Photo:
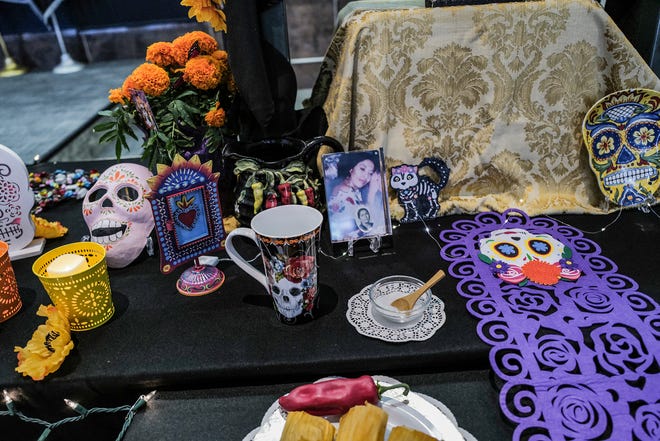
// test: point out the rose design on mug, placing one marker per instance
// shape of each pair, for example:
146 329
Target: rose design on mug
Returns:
299 268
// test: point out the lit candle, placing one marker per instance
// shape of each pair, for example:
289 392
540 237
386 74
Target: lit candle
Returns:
67 265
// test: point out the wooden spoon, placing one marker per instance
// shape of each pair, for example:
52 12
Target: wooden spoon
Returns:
407 302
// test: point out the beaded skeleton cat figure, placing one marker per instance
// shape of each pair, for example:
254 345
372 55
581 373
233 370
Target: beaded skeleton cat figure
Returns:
418 195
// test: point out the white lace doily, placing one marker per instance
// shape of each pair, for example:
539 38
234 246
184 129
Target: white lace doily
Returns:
360 316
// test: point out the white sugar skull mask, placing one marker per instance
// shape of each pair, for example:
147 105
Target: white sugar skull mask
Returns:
16 200
118 214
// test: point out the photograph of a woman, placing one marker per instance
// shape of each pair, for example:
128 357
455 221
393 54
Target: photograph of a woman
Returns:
355 196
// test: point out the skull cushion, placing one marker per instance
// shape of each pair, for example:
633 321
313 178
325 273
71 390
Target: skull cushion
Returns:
16 200
118 214
622 134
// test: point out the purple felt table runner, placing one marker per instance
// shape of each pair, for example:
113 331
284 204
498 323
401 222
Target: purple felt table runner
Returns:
575 343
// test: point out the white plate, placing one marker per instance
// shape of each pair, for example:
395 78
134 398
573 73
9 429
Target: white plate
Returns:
411 410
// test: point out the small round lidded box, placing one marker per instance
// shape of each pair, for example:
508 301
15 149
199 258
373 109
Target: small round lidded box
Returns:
388 289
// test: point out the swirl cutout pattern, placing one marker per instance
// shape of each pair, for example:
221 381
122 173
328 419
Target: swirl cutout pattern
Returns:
579 359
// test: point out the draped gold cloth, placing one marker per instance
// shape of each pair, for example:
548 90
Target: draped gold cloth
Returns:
498 91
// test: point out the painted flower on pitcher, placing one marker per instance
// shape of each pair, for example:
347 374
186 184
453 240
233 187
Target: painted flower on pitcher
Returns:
48 347
299 268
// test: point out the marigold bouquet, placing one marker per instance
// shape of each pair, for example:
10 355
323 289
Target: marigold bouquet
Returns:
179 98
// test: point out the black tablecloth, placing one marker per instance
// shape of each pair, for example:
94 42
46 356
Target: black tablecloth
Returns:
159 339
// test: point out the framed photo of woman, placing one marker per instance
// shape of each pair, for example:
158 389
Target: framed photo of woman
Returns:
355 195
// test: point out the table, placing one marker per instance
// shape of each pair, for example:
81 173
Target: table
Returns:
222 359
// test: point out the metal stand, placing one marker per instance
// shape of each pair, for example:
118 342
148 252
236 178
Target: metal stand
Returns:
11 69
67 64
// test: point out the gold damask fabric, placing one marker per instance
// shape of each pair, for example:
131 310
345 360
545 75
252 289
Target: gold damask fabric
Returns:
498 91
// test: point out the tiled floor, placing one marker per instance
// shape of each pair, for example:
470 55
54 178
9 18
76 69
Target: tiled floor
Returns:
41 110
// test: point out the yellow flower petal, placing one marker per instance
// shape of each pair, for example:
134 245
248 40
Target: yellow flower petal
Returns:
48 347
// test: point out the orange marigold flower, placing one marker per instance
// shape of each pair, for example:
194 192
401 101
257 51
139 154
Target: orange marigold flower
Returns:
129 83
117 96
207 44
540 272
163 54
231 84
220 55
202 72
209 11
48 347
215 117
151 79
222 59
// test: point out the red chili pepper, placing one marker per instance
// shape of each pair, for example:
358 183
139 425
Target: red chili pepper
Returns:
285 193
309 191
335 397
271 200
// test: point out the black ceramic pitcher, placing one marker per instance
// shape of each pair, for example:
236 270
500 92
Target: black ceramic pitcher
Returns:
271 172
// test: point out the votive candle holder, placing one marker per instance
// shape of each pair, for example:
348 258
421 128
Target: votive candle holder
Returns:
85 297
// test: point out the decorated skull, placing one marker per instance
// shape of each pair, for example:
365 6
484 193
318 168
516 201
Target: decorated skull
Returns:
118 214
516 255
622 134
16 200
288 297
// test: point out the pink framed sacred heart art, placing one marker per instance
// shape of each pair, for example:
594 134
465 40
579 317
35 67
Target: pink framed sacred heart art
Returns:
186 206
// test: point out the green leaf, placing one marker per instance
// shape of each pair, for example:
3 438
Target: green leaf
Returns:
104 126
567 253
108 137
485 258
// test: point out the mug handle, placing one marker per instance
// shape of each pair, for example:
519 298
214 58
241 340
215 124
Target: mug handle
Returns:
239 260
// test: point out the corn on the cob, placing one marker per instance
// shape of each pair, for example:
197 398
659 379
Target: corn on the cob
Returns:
363 423
301 426
402 433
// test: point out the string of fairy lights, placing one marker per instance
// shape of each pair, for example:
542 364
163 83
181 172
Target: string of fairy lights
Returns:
82 412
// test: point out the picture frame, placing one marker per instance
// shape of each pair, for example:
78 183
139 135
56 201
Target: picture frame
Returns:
356 195
186 205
